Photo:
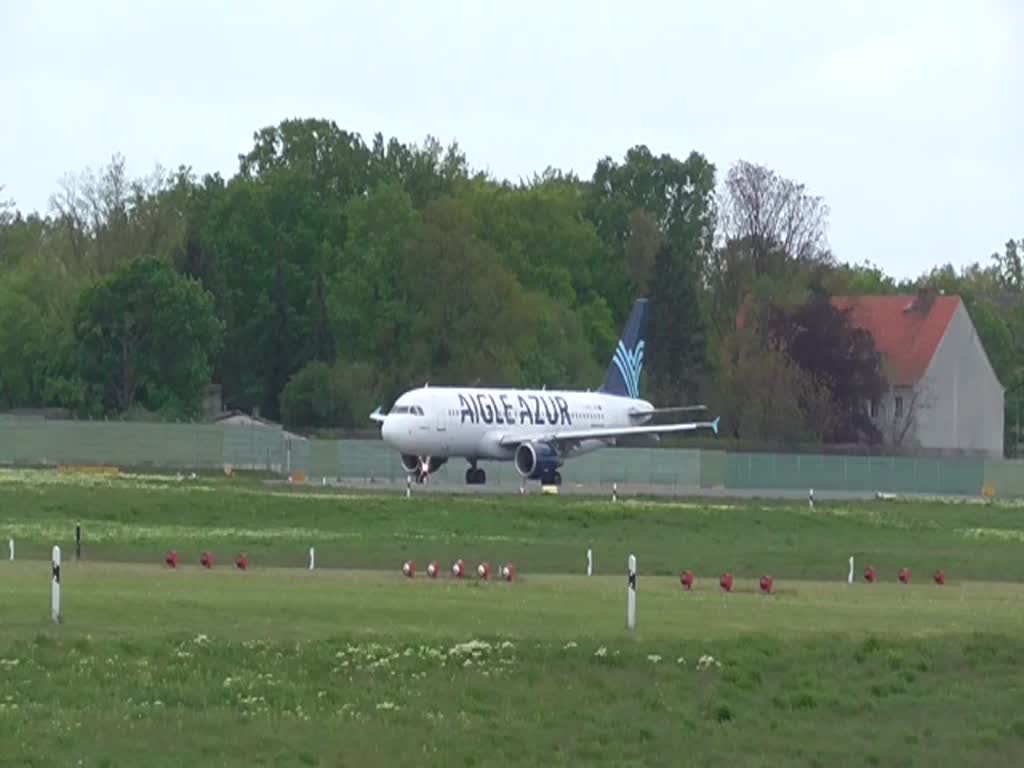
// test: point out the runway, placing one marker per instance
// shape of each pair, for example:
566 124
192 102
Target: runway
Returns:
440 486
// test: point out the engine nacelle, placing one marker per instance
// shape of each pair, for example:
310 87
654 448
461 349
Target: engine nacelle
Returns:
410 463
534 460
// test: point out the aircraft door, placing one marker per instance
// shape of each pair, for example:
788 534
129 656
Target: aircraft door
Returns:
441 420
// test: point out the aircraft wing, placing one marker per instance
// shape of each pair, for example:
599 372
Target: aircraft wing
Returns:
671 409
601 433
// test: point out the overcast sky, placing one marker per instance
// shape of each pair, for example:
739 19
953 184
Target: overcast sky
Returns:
905 116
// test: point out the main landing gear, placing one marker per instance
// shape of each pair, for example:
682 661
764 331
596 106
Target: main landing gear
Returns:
551 478
475 476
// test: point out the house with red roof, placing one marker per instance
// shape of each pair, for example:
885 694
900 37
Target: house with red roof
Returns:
944 394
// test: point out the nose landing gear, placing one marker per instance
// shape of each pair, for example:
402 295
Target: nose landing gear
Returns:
474 475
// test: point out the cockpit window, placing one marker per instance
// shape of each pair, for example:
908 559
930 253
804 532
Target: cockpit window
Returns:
412 410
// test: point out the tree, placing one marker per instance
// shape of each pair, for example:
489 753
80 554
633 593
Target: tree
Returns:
865 279
7 210
370 309
823 341
775 216
676 195
677 328
425 173
899 425
1011 265
471 320
329 396
106 219
146 336
641 250
771 241
768 397
23 344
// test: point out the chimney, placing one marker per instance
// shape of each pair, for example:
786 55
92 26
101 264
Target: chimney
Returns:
925 298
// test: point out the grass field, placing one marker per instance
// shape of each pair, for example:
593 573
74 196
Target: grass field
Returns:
353 664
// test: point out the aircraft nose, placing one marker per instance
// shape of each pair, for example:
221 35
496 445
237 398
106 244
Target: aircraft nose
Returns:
388 429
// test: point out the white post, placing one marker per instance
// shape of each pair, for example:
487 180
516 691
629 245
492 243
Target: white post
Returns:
408 486
55 597
631 594
810 498
590 562
312 558
10 546
849 579
615 491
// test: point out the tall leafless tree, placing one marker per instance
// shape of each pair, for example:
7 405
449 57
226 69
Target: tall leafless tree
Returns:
769 228
773 215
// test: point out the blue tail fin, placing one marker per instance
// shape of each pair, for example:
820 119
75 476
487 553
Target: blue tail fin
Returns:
623 377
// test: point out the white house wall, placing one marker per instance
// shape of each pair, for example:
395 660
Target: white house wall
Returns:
961 406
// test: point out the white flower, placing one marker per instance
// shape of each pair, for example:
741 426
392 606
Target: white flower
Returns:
601 652
653 658
707 661
569 645
473 646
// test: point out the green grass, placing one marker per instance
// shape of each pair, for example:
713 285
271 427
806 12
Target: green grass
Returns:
354 665
138 520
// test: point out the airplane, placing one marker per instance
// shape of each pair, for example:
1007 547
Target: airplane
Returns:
537 429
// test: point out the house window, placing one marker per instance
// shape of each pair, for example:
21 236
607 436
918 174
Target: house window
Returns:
899 407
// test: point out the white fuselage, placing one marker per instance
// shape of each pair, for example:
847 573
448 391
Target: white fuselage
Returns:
470 422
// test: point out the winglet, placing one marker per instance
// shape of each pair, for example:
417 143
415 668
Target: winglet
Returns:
714 424
377 415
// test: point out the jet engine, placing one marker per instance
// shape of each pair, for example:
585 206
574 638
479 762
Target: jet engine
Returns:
535 460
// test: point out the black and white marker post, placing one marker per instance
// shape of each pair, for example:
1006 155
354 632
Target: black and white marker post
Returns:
312 558
631 595
10 546
55 592
78 541
590 562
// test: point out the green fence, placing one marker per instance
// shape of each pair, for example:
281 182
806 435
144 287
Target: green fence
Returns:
855 473
35 442
1005 477
155 446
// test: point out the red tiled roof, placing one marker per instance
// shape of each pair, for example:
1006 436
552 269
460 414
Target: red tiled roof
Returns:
906 329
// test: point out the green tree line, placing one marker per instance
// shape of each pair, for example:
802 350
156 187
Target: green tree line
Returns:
328 274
